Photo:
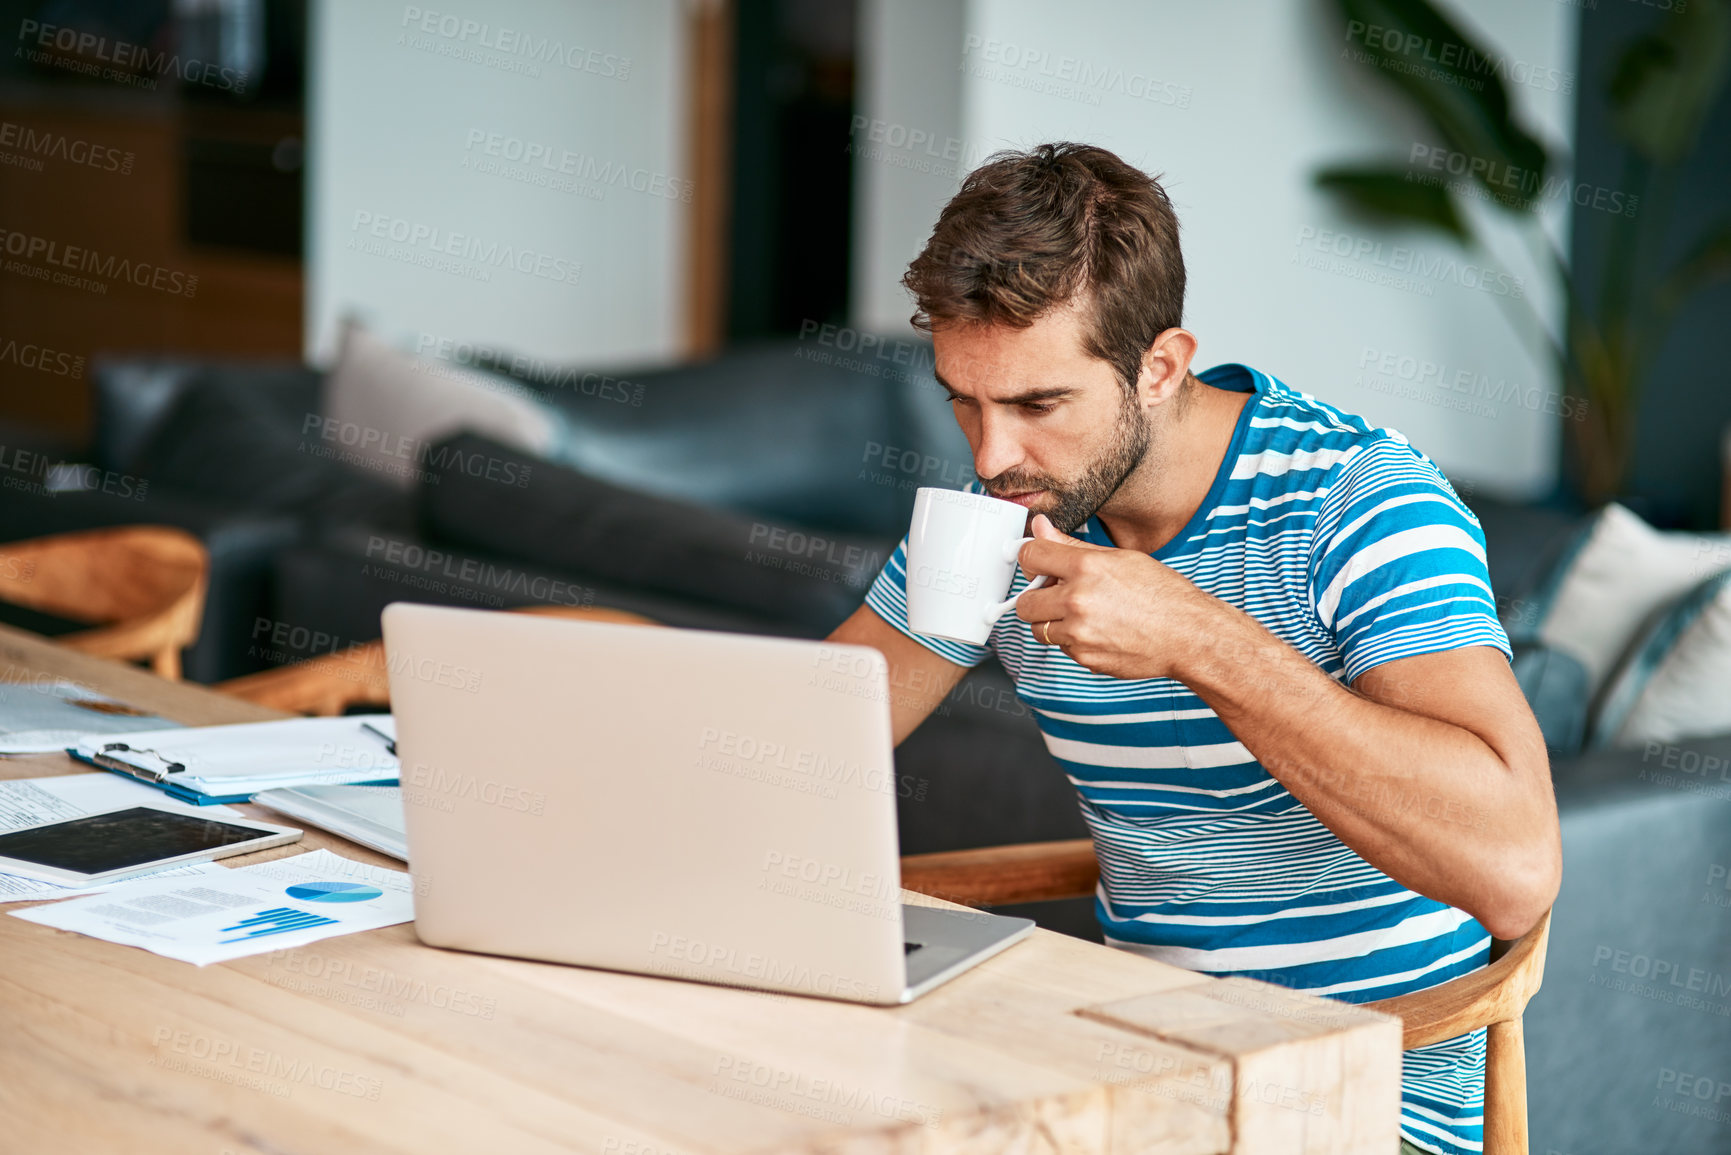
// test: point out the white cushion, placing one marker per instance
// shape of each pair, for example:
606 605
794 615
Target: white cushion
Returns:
1680 686
385 408
1623 574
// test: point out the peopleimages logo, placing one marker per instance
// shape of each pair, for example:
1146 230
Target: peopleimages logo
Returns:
227 1061
93 51
915 149
515 43
429 242
465 578
558 161
36 145
488 791
27 355
1454 57
145 275
1509 183
1066 77
490 361
918 469
324 974
40 476
367 441
799 1093
1426 376
1401 263
719 962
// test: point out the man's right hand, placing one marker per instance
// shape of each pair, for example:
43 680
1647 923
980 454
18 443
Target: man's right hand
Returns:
919 678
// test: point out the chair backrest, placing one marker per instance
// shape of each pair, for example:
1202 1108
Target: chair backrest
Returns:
329 684
1006 875
141 587
1497 994
1494 998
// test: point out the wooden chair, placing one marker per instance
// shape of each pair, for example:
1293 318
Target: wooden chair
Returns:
1494 997
141 587
331 683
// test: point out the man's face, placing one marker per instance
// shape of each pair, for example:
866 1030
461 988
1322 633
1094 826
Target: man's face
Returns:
1051 427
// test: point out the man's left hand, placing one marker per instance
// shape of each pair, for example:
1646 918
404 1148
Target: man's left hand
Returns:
1113 611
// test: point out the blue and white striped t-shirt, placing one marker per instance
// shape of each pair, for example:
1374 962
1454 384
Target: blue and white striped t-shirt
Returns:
1349 545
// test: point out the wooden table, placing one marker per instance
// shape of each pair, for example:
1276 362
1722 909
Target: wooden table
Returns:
373 1042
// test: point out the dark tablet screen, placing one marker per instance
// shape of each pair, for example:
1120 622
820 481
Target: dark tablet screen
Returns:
120 839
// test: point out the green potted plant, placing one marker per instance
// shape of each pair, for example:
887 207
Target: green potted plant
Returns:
1660 91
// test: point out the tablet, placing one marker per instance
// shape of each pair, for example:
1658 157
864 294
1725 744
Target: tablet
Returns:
121 843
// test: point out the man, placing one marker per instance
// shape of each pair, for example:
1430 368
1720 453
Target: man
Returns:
1269 660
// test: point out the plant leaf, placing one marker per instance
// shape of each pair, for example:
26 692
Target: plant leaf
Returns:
1709 262
1392 193
1665 81
1457 84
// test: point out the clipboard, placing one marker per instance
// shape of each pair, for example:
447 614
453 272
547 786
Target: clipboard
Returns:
209 765
154 779
170 788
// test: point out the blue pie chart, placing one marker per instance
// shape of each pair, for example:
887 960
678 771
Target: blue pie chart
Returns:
333 891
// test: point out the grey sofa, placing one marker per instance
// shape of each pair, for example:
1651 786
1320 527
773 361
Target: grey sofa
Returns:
1634 1020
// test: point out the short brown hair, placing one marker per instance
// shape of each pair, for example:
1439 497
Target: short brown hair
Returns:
1031 231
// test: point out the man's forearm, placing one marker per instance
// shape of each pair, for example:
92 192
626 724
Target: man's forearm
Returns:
1427 802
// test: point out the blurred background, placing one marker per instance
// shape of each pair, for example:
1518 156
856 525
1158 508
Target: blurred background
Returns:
596 304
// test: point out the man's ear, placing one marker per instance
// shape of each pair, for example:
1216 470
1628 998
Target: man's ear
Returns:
1165 366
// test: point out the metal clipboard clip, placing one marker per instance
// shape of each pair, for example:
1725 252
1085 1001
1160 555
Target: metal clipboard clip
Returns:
144 773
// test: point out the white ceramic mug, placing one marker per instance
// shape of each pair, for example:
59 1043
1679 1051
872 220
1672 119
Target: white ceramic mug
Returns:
962 551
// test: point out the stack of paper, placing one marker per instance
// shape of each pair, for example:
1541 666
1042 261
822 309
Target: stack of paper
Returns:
44 716
369 815
232 763
247 910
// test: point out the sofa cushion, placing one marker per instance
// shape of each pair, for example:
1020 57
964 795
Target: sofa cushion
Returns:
239 447
1617 576
1676 683
337 586
493 498
385 408
1522 544
129 399
132 397
786 429
1555 686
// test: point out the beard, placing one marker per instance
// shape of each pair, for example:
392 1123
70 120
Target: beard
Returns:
1079 500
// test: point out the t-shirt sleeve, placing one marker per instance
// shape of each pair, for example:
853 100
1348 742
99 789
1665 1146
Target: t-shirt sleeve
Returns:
888 598
1397 567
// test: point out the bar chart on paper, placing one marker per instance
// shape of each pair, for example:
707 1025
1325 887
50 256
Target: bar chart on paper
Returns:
229 913
282 920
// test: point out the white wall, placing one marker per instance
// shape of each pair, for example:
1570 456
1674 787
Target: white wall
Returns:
1237 105
581 263
906 140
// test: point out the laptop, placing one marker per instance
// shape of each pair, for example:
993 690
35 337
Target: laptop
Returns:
684 803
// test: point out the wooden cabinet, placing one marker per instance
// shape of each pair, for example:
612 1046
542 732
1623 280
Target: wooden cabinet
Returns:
95 256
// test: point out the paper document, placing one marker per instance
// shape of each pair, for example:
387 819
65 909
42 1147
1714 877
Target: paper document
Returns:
17 888
40 717
248 757
247 910
38 801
